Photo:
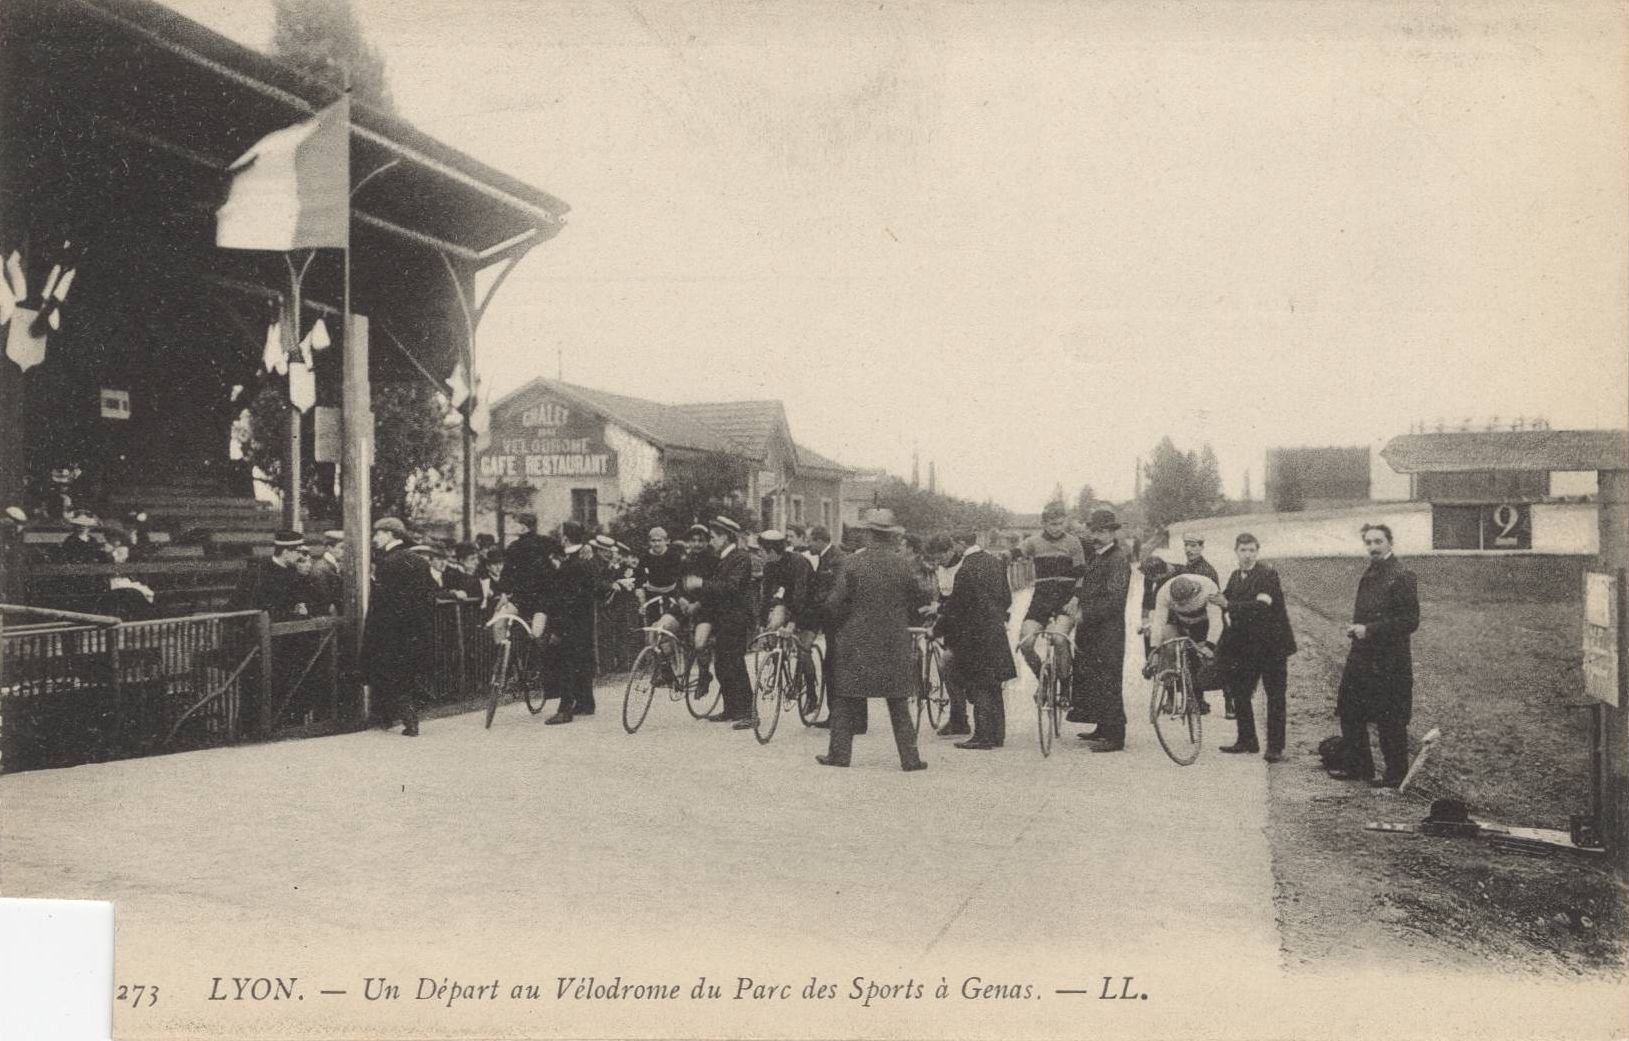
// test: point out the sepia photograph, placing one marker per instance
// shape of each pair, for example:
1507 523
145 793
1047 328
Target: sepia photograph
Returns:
474 471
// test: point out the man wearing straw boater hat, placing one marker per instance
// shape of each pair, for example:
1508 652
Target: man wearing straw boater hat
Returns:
273 584
726 601
79 547
872 605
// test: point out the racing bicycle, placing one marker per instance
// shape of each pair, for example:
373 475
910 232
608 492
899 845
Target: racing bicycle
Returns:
1051 684
517 666
1174 705
667 662
928 665
782 670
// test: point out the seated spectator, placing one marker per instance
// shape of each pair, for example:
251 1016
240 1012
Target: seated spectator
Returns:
82 546
127 599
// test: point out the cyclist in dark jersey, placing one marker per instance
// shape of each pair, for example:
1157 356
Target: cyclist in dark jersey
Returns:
660 569
700 562
1059 558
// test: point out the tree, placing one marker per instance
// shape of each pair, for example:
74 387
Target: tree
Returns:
1084 500
1181 485
690 494
322 38
922 511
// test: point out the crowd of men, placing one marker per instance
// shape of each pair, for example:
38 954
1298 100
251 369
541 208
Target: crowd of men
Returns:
863 604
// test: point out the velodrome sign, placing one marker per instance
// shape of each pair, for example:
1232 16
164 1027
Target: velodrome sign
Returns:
547 438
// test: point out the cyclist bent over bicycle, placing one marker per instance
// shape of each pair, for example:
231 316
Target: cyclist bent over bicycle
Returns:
1183 608
1059 558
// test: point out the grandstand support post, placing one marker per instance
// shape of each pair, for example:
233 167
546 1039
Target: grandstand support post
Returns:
355 492
1612 510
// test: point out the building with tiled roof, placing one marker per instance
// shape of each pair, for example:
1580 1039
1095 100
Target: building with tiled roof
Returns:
587 452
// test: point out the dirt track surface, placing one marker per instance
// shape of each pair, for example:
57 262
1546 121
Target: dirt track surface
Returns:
529 854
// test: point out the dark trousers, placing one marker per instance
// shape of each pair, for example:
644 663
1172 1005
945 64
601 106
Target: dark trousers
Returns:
958 704
860 712
397 693
844 713
730 641
576 678
1393 745
989 713
1241 689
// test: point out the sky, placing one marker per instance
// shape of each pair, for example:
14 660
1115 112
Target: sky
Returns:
1029 239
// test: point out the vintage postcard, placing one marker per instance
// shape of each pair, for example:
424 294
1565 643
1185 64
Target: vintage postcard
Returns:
818 520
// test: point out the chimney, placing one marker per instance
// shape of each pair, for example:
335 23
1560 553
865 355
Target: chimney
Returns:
933 480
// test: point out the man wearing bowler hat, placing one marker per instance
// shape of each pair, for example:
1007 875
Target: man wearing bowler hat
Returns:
726 600
578 591
872 607
973 623
1100 635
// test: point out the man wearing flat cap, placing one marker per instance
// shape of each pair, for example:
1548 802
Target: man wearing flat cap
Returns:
726 601
1100 635
396 641
273 584
1194 562
327 582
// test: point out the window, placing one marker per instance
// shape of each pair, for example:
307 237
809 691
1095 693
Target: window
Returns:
825 513
585 506
797 509
766 511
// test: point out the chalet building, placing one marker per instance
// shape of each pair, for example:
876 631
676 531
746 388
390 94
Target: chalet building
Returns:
566 451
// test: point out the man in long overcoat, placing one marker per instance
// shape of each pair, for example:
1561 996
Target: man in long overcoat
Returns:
973 623
872 607
396 639
726 602
1377 685
578 587
1100 636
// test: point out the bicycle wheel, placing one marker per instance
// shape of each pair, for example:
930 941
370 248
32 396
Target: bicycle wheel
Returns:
1176 716
642 683
530 679
919 703
502 668
812 695
938 694
701 703
1045 697
771 675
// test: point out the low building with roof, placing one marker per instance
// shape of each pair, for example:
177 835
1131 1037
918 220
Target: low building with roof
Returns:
583 453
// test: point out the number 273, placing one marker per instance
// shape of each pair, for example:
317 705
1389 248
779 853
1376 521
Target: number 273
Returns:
134 993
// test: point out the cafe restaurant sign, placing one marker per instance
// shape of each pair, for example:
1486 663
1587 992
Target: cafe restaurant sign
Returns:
547 438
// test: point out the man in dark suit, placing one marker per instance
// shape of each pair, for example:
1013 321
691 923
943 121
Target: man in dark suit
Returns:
579 589
528 568
726 601
973 623
1377 685
396 639
1100 636
272 584
1255 645
828 558
872 607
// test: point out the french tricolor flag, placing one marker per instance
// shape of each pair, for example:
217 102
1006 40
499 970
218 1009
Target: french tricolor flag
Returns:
291 190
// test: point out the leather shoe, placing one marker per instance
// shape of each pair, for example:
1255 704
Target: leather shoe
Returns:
826 760
918 765
412 731
743 724
1107 746
1346 775
583 711
1235 748
720 718
975 744
558 718
1385 782
952 731
1274 757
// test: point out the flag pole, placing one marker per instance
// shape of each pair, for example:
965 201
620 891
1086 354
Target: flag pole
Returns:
357 418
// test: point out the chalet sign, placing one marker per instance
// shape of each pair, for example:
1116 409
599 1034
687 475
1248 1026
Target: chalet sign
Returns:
547 438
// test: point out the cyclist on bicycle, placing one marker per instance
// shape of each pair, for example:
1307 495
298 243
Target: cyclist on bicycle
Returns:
657 577
1182 607
700 561
787 577
1059 558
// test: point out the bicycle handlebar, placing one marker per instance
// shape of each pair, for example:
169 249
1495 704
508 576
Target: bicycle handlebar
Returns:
1051 637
